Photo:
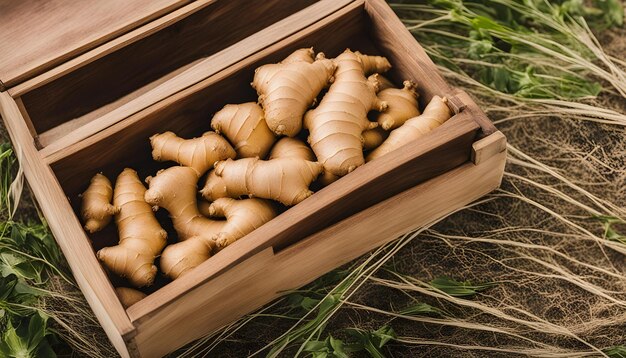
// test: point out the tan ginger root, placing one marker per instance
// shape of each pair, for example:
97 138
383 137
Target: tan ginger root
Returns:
129 296
337 124
372 138
402 105
97 210
245 127
198 153
435 114
291 148
285 180
242 217
287 89
174 189
141 236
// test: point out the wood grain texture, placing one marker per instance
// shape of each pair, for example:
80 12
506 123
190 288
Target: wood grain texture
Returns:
109 47
66 229
38 34
206 67
265 276
487 147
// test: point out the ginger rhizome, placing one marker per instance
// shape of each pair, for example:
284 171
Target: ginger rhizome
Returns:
198 153
435 114
337 124
141 237
283 179
242 217
291 148
401 105
287 89
174 189
96 209
129 296
245 127
372 138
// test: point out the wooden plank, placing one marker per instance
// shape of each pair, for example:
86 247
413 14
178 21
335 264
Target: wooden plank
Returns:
36 35
463 101
60 131
202 70
66 229
108 47
263 277
488 147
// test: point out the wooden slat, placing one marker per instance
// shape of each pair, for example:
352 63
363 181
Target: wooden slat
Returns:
108 47
263 277
66 229
38 34
202 70
488 147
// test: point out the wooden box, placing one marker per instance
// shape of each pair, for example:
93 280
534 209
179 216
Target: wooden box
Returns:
88 97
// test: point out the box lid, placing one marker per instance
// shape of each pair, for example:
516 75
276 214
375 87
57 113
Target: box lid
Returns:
36 35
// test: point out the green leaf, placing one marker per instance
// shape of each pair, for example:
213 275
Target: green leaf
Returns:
615 352
373 341
421 309
458 289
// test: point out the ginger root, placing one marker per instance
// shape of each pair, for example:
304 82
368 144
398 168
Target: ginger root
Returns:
97 210
402 105
174 189
198 153
291 148
141 236
372 138
435 114
287 89
284 179
129 296
337 124
245 127
242 217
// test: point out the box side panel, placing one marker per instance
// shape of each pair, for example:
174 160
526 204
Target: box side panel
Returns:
244 288
35 34
67 230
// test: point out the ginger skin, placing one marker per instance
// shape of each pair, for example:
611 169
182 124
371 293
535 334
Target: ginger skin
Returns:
337 124
198 153
435 114
285 180
129 296
97 210
141 236
372 138
245 127
242 217
291 148
174 189
287 89
402 105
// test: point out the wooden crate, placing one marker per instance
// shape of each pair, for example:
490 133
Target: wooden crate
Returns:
82 109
